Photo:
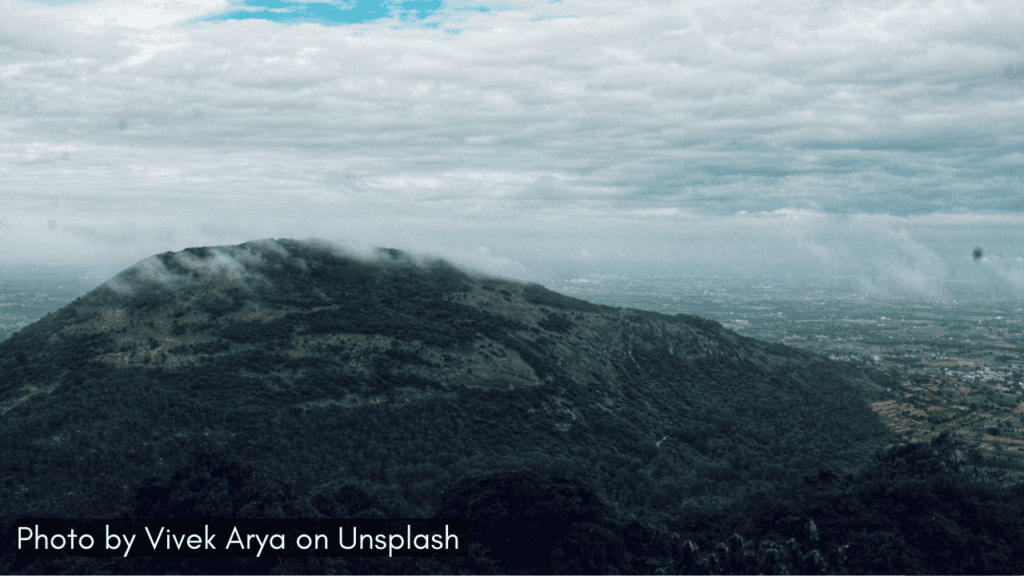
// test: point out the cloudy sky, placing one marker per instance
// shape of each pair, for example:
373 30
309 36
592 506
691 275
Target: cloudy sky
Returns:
876 141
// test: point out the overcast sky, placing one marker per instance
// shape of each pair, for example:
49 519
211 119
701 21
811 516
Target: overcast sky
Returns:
877 141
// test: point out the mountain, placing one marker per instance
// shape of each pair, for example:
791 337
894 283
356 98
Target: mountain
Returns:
283 379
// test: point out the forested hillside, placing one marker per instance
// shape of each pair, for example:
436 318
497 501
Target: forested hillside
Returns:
284 379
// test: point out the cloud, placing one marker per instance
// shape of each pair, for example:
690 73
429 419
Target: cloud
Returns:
482 260
539 138
222 266
1008 269
244 266
879 254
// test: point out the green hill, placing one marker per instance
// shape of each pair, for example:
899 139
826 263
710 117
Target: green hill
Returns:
285 379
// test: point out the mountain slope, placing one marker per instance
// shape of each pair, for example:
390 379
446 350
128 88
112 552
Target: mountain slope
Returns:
324 373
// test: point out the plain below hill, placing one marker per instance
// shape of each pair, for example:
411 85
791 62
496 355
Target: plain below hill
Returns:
280 378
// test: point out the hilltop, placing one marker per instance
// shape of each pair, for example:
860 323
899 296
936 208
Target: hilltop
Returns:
281 378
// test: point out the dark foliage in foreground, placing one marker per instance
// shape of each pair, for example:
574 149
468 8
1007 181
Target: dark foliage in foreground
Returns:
912 510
